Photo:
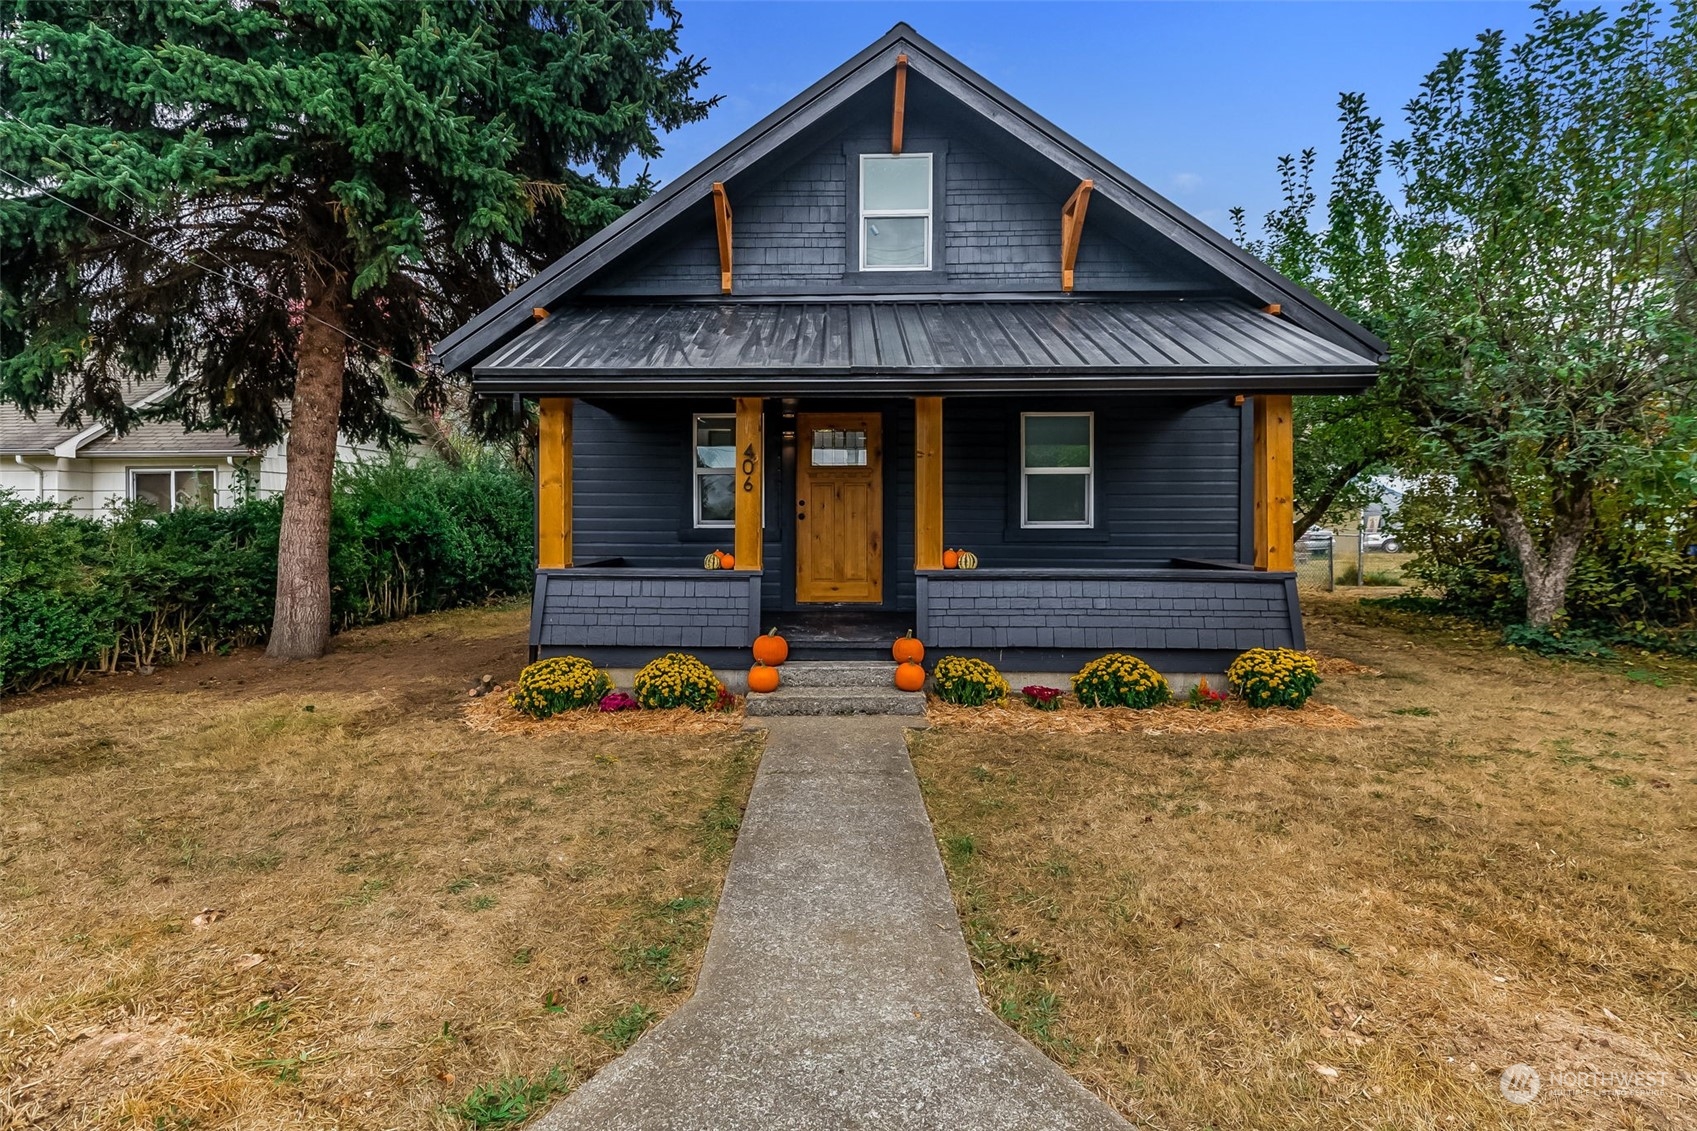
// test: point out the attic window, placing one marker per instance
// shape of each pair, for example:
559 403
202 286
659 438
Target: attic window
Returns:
895 212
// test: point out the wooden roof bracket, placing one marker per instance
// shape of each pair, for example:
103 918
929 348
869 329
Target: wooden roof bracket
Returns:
900 116
722 220
1273 308
1072 229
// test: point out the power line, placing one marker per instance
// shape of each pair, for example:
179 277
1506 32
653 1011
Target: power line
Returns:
228 278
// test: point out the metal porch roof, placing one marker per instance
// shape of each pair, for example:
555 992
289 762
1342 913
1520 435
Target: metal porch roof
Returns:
924 346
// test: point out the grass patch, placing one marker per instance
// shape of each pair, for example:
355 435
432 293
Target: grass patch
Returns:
1195 925
338 917
661 938
503 1103
621 1030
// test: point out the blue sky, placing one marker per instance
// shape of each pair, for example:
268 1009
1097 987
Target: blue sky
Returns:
1196 99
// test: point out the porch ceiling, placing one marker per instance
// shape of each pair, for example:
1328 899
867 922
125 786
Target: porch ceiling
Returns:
929 346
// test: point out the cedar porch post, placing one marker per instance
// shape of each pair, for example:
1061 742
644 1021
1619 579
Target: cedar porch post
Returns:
750 480
1275 517
927 482
554 484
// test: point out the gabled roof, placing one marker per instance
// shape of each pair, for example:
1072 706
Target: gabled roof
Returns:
45 436
472 342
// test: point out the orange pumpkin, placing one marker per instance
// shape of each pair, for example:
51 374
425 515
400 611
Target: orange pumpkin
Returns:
907 649
950 558
727 561
762 678
909 676
771 649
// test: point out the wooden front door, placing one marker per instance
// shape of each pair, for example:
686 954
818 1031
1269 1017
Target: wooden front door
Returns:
839 507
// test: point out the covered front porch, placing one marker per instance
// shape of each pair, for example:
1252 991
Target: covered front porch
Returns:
1120 471
907 481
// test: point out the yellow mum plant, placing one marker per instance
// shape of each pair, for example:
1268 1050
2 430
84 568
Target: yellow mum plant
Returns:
1120 679
563 683
677 679
1274 677
967 682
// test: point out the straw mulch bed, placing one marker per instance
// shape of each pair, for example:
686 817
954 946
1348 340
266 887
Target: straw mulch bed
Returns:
492 715
1016 716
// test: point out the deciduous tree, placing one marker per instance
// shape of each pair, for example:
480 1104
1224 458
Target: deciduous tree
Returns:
1534 280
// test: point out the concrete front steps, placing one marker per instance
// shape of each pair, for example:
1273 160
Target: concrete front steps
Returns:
845 687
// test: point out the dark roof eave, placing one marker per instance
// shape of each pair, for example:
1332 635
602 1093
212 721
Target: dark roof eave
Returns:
918 381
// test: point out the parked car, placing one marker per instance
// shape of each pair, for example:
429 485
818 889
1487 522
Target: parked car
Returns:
1316 537
1381 542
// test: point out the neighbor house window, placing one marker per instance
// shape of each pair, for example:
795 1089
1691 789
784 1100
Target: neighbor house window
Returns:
715 462
1057 469
168 490
895 212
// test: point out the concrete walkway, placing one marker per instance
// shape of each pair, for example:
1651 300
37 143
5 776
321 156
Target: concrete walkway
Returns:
836 991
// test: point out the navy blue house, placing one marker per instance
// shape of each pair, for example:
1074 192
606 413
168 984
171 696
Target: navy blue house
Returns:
900 318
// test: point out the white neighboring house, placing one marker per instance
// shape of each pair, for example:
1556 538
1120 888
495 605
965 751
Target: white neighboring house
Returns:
158 462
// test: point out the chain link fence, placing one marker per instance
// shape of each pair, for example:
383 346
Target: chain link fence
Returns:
1316 560
1325 560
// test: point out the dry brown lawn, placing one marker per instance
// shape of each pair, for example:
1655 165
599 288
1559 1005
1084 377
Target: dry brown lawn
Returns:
1353 927
234 895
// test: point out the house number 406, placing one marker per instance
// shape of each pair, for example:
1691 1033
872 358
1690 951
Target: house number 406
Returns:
749 463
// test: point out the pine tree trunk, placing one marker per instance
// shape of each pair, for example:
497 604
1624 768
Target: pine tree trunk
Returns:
300 624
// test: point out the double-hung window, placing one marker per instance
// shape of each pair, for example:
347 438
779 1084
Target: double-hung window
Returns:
715 462
1057 469
169 490
895 212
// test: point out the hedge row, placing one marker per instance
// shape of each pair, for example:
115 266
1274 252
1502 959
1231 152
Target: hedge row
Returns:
78 594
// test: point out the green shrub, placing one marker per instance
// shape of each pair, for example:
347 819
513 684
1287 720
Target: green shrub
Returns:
563 683
1274 677
678 679
966 682
1120 680
1568 642
149 588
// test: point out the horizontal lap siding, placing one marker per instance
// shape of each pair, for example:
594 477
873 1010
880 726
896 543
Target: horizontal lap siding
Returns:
1224 614
631 485
1167 487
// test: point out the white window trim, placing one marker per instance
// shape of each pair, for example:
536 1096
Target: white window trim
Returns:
877 213
695 479
1088 472
173 472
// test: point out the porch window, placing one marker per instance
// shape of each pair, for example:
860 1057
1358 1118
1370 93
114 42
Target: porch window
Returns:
174 488
895 212
715 463
1057 473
